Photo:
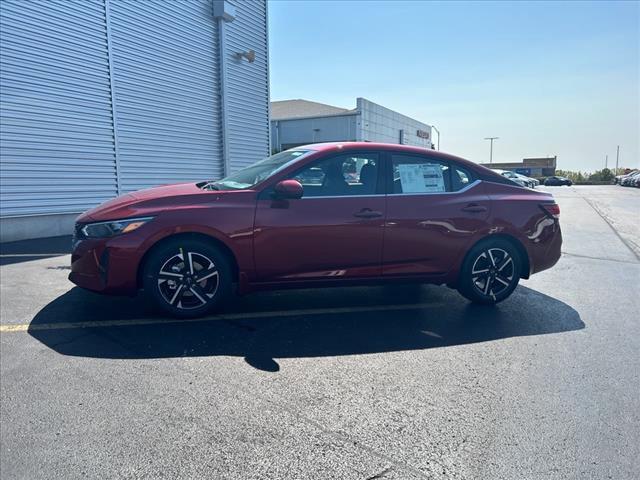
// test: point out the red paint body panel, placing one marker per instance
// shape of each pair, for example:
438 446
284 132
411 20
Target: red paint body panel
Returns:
517 213
224 216
424 232
315 240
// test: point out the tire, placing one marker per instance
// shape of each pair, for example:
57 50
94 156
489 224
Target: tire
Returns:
187 278
490 272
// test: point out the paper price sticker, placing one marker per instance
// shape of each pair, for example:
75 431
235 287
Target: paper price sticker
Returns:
421 177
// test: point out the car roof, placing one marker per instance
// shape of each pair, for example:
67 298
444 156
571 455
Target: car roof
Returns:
480 170
346 146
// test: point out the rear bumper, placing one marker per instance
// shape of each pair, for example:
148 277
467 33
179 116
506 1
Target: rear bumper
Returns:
545 251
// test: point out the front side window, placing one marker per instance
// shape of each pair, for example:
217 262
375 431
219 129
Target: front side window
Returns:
343 175
259 171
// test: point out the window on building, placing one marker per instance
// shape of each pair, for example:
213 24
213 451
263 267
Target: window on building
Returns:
343 175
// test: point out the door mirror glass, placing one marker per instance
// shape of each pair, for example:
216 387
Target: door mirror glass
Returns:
289 189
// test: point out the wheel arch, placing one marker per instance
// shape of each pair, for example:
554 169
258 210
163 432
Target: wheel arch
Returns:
525 263
191 236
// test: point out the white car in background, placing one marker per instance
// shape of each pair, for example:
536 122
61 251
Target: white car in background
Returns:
532 182
511 176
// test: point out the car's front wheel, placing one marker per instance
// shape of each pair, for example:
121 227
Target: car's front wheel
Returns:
187 278
490 272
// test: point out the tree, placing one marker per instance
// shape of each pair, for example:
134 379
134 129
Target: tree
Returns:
604 175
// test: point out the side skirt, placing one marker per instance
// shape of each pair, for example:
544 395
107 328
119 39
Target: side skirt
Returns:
350 282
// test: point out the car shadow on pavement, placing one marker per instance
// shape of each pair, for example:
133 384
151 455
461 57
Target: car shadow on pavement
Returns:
367 321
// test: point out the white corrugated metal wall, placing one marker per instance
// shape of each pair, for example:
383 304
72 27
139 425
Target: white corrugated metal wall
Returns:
165 70
56 131
101 94
247 84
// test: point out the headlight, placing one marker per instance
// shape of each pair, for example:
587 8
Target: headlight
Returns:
113 227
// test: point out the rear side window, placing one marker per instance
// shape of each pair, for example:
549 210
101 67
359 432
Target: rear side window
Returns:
414 174
417 174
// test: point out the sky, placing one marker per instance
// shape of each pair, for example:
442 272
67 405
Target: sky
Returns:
548 78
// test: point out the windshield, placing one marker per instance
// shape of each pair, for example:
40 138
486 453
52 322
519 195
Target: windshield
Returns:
259 171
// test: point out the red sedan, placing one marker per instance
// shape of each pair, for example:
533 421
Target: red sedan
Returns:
320 215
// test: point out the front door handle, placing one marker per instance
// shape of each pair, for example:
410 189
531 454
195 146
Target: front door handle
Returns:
367 213
474 208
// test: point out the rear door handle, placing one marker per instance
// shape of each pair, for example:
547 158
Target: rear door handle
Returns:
367 213
474 208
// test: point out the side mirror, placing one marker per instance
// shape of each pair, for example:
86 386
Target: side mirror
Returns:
289 189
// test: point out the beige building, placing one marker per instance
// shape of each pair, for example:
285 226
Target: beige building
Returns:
299 122
531 167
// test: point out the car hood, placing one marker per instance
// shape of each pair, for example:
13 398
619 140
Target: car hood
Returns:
150 201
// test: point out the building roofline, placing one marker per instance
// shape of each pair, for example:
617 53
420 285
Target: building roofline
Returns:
348 113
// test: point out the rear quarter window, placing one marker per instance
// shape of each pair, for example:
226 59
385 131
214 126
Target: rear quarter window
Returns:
460 177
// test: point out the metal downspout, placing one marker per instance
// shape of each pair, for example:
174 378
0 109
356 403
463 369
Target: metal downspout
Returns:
223 98
114 113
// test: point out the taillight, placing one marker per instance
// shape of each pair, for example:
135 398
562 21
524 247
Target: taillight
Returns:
551 209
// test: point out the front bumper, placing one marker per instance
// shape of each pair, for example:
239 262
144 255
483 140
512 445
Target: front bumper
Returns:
104 266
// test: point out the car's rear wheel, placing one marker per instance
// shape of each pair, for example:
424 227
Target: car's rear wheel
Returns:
490 271
187 278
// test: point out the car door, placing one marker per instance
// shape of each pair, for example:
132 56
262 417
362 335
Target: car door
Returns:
434 209
334 231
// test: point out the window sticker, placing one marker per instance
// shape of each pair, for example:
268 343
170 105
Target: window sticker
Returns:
421 177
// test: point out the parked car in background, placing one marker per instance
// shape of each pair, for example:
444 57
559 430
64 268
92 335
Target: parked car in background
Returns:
296 220
511 176
617 180
529 182
625 178
535 181
556 181
631 180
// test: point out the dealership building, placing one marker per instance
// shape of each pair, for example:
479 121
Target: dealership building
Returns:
103 97
299 122
531 167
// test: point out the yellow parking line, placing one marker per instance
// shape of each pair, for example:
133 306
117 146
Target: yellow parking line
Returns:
23 327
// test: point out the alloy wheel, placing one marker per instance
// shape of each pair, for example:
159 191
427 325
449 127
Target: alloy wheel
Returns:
188 280
493 272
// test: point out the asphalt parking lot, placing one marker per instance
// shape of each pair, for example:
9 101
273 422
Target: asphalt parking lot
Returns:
397 382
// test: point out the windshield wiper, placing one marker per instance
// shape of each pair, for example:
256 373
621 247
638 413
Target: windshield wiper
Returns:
209 186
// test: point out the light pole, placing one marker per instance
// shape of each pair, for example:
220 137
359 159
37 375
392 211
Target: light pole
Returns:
617 158
438 131
491 148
